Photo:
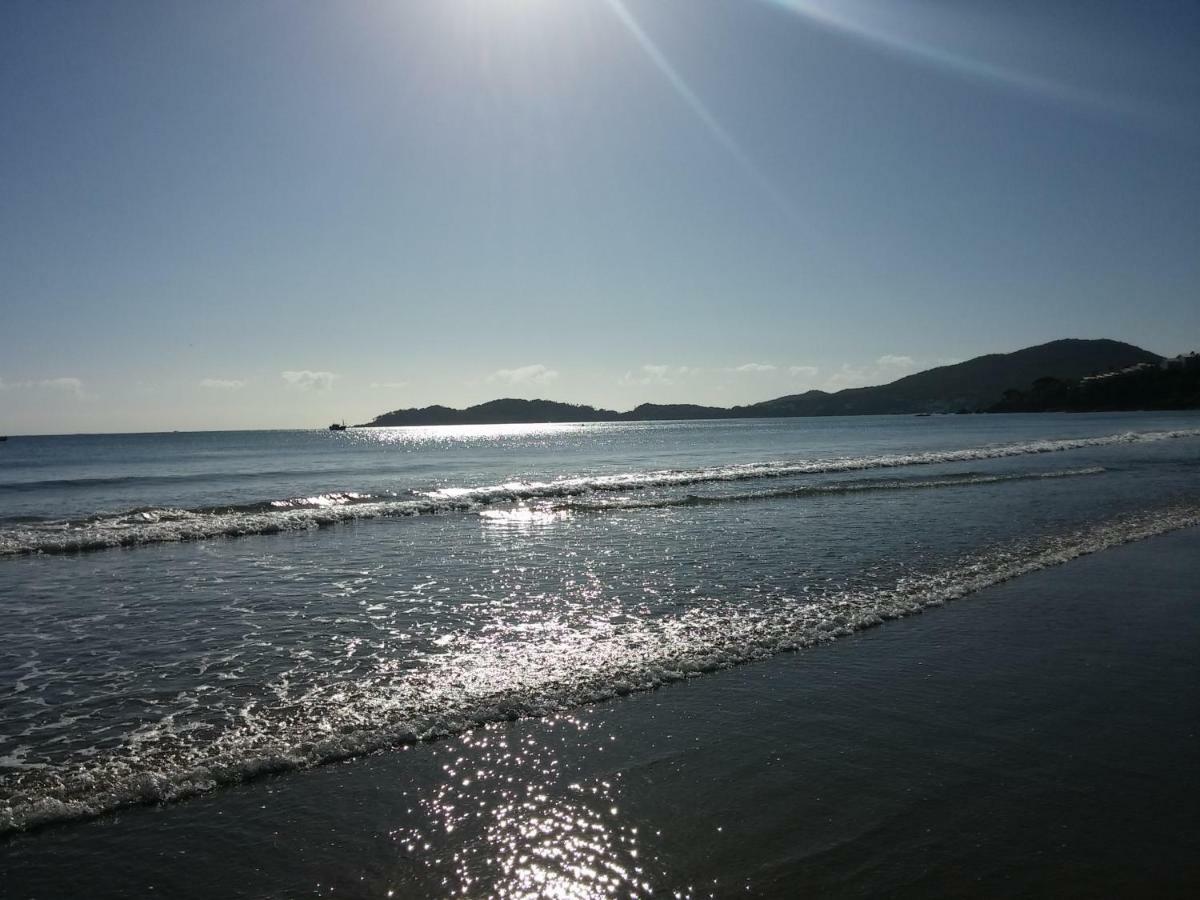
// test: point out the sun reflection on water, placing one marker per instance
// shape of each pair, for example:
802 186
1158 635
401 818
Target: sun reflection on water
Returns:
523 518
510 819
473 434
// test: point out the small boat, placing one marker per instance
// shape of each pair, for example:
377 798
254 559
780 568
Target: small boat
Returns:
336 427
3 437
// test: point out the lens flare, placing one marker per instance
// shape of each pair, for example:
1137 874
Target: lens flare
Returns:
692 100
866 22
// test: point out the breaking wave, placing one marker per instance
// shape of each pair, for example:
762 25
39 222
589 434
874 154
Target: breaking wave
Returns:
164 525
486 677
157 526
817 490
570 487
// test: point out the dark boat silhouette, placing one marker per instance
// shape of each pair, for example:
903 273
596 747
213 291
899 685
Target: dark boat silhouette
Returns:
336 427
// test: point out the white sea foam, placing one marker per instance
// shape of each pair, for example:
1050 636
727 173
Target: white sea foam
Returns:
485 676
628 481
157 526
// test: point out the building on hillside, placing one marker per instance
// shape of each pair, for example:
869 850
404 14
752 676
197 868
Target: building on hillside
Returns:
1136 367
1182 361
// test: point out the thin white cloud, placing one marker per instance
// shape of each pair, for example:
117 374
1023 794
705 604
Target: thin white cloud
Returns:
533 374
64 385
388 385
754 368
887 368
222 384
849 376
653 373
802 371
307 380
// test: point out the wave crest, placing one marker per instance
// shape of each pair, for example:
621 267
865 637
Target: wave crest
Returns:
166 525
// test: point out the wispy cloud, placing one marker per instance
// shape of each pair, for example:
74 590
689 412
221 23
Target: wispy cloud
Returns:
534 374
887 368
68 385
850 376
754 368
803 371
388 385
653 373
307 380
63 385
222 384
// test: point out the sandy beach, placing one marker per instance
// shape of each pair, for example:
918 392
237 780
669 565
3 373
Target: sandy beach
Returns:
1036 739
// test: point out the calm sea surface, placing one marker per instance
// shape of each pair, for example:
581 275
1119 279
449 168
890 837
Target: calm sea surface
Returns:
184 611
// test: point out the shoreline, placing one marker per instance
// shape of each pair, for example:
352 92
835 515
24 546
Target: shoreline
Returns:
911 597
904 758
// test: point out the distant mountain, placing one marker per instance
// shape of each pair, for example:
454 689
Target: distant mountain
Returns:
975 385
972 385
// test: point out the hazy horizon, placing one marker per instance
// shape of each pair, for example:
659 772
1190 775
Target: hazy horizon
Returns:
274 215
883 367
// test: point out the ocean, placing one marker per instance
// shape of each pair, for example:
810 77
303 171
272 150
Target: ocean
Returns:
191 616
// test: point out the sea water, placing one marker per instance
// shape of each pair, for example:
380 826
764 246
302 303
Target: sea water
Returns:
183 612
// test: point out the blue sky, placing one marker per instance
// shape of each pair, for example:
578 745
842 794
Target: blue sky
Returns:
275 214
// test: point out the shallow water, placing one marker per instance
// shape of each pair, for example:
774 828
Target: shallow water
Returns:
187 610
1038 739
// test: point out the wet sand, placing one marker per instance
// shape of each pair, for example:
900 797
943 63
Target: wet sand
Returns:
1040 738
